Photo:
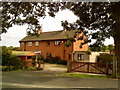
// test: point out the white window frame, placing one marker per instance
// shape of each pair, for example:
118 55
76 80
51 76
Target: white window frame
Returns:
29 43
57 42
36 43
80 56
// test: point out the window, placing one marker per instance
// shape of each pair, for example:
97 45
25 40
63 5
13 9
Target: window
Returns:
48 55
29 43
29 57
22 43
48 43
36 43
80 57
57 42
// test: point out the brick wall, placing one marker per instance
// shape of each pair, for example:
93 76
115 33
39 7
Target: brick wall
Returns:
63 52
56 50
76 45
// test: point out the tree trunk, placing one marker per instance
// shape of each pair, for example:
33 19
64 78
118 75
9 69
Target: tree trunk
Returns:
117 50
116 16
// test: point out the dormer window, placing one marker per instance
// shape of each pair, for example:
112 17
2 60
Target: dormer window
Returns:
29 43
57 42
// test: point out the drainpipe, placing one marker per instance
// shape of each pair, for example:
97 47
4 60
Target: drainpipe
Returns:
73 56
64 50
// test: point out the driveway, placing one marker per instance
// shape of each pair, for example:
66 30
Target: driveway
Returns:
48 79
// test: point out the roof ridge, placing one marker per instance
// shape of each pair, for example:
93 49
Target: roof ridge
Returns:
60 34
52 31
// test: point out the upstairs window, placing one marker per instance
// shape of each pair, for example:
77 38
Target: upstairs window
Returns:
22 43
29 43
57 42
36 43
48 43
80 57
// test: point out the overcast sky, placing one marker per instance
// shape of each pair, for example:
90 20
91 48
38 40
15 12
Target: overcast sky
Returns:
16 33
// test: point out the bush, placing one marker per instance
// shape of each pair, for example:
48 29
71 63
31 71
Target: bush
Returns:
7 68
105 58
12 62
30 69
11 68
55 60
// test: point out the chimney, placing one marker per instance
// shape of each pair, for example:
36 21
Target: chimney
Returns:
39 31
64 28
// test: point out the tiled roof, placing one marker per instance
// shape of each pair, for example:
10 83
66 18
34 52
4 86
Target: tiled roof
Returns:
54 35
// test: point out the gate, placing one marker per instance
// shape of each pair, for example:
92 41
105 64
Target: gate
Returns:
89 67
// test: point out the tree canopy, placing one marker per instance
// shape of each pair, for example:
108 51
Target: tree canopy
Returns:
26 13
96 20
104 48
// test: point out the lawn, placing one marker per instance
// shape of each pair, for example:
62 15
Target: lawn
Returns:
84 75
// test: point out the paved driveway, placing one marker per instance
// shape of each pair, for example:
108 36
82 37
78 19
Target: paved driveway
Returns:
47 79
55 67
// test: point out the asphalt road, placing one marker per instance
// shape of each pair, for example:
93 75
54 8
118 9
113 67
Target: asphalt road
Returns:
50 79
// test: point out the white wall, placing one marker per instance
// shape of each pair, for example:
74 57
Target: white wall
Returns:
93 56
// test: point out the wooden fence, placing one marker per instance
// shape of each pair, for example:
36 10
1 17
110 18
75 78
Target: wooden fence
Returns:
89 67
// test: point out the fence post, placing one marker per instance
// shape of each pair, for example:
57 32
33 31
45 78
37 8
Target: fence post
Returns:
69 66
118 67
107 72
114 66
88 66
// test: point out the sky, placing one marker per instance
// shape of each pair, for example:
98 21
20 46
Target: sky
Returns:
16 33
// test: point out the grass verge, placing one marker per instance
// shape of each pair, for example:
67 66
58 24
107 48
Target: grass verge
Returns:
84 75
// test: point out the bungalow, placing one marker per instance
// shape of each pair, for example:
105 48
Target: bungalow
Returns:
53 44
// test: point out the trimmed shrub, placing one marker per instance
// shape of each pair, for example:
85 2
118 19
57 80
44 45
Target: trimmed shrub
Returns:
55 60
7 68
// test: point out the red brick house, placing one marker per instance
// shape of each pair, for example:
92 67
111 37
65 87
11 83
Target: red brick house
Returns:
53 44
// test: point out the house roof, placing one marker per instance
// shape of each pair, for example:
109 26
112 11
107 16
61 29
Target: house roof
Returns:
54 35
23 53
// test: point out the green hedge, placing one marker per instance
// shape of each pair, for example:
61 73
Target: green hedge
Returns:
105 58
55 60
11 68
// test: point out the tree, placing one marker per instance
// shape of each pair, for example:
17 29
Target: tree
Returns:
97 20
25 13
95 48
102 18
110 47
10 60
102 48
39 59
33 60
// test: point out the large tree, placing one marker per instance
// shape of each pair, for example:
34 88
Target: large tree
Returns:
29 13
97 20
